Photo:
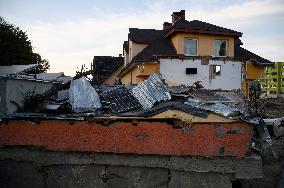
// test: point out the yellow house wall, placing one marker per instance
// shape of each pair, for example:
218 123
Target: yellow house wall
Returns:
139 74
205 44
134 49
254 72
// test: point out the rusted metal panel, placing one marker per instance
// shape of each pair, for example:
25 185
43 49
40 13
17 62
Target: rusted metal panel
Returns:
218 139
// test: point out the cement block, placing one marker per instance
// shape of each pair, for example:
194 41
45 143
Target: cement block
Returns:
182 179
75 176
121 176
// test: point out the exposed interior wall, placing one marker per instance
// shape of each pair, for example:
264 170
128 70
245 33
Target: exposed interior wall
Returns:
140 73
17 89
174 71
134 49
113 78
205 44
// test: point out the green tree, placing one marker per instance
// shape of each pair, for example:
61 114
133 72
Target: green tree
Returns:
16 48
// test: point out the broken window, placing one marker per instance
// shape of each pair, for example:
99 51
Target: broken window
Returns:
214 70
220 48
190 47
191 70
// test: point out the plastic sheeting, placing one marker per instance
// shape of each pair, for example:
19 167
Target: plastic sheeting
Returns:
151 91
83 97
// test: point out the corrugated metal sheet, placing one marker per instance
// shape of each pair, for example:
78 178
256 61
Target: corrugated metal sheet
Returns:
151 91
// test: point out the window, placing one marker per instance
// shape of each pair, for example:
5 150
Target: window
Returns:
191 70
190 47
220 48
214 70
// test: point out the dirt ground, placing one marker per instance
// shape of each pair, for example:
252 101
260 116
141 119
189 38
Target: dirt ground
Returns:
274 107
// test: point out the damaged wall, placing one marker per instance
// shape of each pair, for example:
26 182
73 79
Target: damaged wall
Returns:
174 71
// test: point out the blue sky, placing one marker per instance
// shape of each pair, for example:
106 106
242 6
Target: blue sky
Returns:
69 33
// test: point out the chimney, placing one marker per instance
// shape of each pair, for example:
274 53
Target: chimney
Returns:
166 26
178 15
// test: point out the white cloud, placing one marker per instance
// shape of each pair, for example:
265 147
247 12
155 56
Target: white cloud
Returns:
70 44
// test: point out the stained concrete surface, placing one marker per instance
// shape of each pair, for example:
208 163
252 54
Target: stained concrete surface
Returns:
36 167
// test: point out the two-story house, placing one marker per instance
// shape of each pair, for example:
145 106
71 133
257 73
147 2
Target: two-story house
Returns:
185 52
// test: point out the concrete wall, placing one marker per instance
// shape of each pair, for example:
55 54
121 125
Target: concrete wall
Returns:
16 90
173 71
205 44
34 167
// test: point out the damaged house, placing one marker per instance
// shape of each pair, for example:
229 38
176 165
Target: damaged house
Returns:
141 133
188 52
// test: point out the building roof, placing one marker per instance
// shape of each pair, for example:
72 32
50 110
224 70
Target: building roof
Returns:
144 35
159 47
16 69
196 26
103 66
244 54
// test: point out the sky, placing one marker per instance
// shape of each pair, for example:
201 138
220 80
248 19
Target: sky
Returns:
69 33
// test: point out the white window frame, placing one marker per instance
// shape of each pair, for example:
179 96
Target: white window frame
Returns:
214 55
196 46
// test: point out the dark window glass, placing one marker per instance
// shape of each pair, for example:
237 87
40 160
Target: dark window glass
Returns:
220 48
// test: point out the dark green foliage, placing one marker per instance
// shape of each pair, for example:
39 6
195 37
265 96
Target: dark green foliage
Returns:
16 48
